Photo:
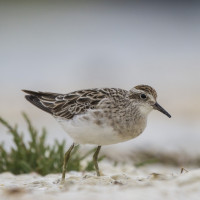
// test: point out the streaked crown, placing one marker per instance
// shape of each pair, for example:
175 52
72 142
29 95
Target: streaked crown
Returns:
147 89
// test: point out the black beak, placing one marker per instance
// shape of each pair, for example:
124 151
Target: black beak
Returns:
156 106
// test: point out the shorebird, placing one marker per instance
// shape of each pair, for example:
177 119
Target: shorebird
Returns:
99 116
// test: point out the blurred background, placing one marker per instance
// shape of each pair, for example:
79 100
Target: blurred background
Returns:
62 46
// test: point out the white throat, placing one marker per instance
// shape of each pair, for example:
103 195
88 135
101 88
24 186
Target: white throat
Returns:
145 110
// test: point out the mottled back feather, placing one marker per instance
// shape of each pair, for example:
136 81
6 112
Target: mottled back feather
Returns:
71 104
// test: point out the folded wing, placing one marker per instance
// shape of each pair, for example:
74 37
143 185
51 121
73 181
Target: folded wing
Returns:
66 105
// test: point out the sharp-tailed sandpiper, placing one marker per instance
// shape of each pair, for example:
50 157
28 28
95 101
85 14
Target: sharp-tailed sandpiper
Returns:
99 116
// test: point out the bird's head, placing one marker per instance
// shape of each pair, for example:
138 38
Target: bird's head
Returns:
144 97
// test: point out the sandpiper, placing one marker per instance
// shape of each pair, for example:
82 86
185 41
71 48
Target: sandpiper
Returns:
99 116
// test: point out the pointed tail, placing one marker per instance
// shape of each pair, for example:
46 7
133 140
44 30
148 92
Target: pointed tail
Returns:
42 100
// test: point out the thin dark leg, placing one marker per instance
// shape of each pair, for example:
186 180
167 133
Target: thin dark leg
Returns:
66 158
95 158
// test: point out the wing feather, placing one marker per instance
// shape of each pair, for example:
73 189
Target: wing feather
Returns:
71 104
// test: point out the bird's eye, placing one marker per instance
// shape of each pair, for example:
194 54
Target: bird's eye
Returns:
143 96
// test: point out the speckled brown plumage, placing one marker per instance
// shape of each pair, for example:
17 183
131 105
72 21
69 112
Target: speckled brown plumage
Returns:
74 103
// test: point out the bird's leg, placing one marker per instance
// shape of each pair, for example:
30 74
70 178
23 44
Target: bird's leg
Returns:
95 158
66 158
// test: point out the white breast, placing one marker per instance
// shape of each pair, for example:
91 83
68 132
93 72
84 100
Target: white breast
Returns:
83 130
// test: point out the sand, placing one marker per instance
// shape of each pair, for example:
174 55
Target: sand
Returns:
119 182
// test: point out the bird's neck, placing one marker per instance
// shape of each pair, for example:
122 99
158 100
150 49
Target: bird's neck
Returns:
144 110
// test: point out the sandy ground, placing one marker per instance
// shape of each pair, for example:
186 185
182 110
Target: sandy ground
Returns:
120 182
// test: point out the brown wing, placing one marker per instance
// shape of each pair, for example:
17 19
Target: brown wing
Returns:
69 105
74 103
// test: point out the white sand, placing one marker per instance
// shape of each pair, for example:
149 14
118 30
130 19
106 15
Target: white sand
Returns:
121 182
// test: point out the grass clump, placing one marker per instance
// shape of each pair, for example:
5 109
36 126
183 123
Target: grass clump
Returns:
36 155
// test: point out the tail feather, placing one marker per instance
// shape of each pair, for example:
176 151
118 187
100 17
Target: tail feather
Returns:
45 95
37 98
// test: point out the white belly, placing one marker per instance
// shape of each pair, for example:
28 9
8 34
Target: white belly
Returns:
86 131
